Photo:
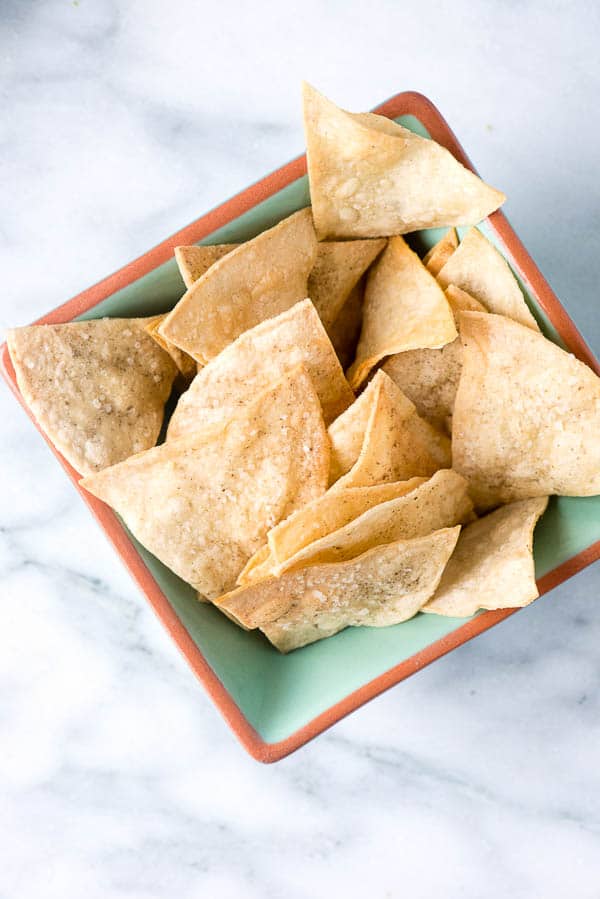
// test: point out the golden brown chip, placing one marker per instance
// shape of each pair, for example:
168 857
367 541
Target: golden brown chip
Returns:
526 415
492 565
345 330
330 512
187 366
347 433
404 309
477 267
257 567
258 280
370 177
461 301
384 586
441 502
397 444
194 261
438 256
258 358
97 388
203 504
338 268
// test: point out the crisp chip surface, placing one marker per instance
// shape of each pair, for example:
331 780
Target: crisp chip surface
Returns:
370 177
397 444
258 358
254 282
441 502
384 586
404 309
492 565
187 366
194 261
97 388
337 270
438 255
478 268
204 504
526 416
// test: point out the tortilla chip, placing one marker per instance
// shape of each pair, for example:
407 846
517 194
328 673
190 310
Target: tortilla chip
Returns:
345 330
386 585
404 309
438 256
347 433
258 280
441 502
258 358
330 512
370 177
257 568
187 366
194 261
526 415
477 267
397 444
492 565
461 301
338 268
203 504
97 388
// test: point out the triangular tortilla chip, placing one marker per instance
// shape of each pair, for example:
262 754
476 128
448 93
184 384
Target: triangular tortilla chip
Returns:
195 260
203 504
477 267
338 268
347 433
187 366
384 586
371 178
429 378
258 280
526 415
492 565
258 358
441 502
438 256
97 388
320 517
330 512
345 330
397 444
404 309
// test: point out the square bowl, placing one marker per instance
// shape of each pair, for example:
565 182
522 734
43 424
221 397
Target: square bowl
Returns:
276 703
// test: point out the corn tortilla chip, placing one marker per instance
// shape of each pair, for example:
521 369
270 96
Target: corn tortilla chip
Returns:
322 516
370 177
338 268
526 415
461 301
194 261
477 267
442 501
97 388
187 366
330 512
386 585
397 444
204 504
492 565
256 281
345 330
347 433
438 256
255 360
404 309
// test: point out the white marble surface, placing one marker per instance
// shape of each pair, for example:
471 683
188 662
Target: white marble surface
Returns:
121 122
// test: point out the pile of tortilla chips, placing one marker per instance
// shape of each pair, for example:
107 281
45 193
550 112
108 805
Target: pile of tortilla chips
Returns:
359 434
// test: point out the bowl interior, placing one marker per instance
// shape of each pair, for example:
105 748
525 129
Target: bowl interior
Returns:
279 694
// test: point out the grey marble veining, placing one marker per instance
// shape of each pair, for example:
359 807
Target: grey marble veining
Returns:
121 122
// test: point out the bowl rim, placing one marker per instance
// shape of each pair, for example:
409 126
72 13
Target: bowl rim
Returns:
404 103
